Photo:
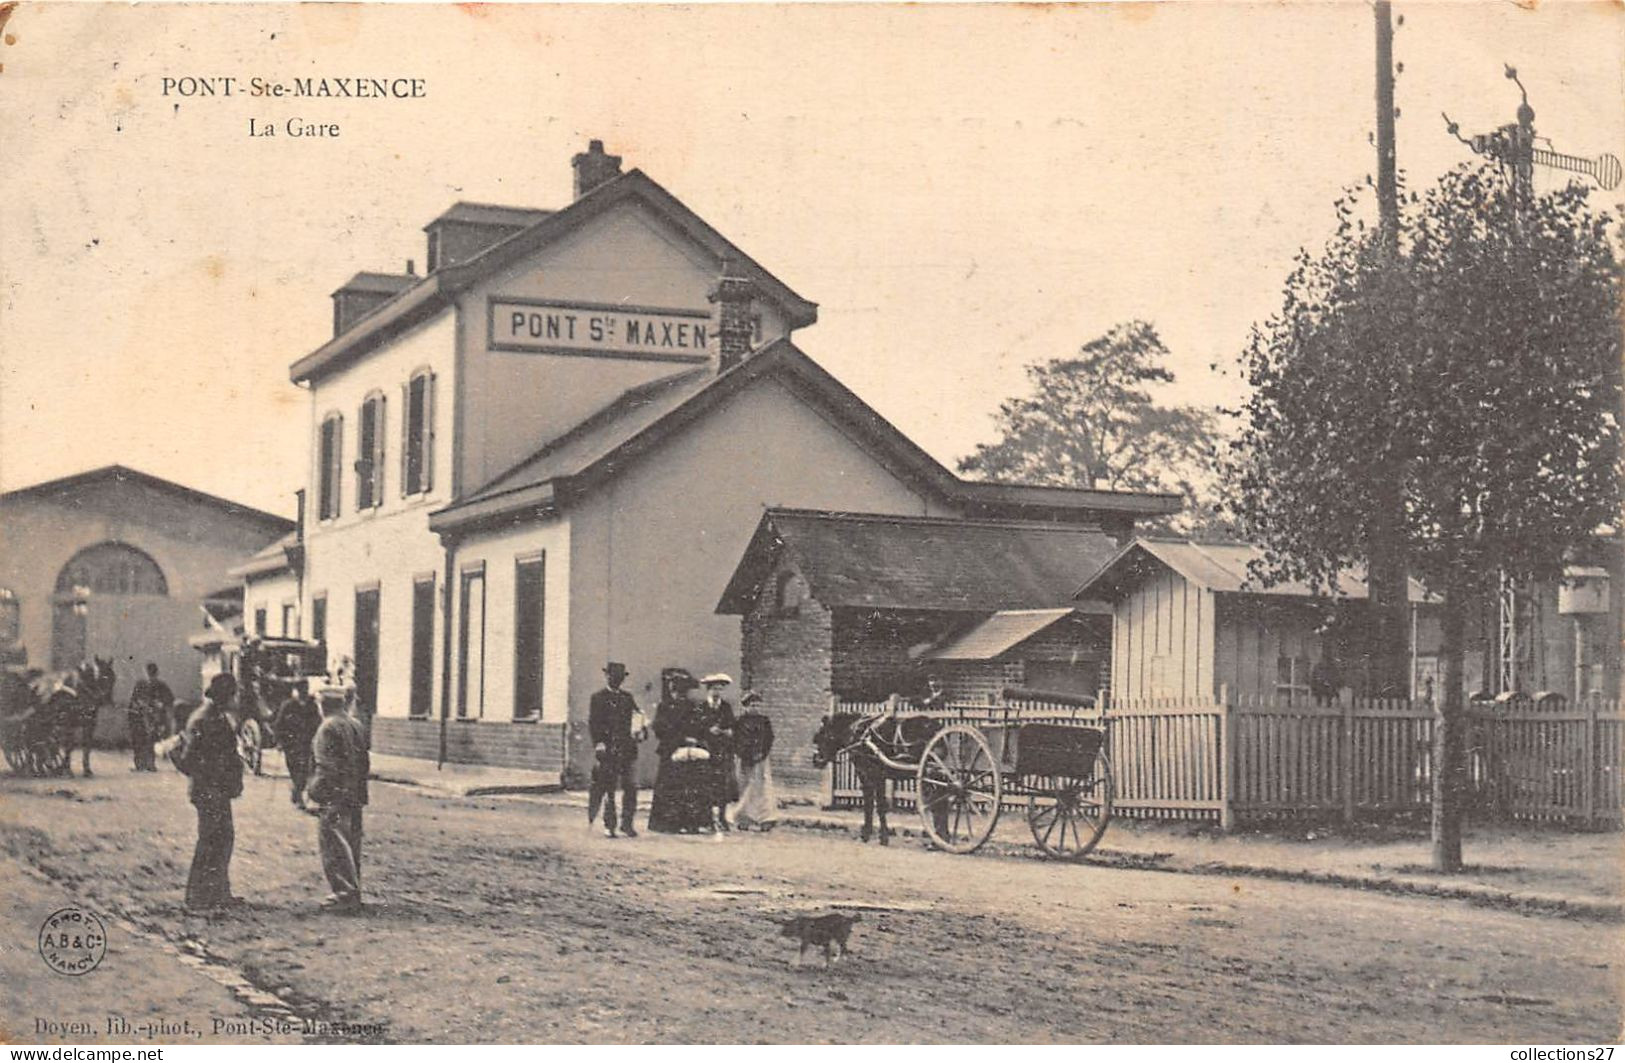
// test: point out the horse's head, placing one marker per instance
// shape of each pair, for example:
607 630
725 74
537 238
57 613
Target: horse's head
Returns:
833 735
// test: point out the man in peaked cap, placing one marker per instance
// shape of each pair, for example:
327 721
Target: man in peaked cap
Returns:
614 722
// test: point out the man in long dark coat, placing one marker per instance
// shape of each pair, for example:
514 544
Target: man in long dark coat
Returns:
148 713
614 722
215 779
295 724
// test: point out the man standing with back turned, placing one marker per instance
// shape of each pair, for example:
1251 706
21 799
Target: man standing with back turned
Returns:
340 788
616 727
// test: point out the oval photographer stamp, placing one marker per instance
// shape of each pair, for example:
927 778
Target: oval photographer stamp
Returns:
72 941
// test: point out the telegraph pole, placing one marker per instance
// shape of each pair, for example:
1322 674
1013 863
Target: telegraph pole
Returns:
1386 575
1387 180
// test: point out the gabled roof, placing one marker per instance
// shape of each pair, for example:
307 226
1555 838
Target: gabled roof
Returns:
122 474
435 292
1219 567
645 416
880 561
997 634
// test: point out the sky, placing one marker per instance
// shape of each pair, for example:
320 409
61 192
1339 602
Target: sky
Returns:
965 190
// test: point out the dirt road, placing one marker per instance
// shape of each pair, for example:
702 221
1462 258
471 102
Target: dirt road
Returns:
506 920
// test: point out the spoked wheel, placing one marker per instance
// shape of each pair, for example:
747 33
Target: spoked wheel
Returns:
51 758
1069 818
249 745
959 789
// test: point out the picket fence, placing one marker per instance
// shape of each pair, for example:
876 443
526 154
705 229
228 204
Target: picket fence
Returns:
1247 759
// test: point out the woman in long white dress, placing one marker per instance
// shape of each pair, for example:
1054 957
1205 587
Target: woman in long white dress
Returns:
758 806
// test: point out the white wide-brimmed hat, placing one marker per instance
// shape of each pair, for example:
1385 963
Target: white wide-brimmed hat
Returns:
717 679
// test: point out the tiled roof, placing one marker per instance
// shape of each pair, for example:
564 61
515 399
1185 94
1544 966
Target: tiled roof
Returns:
1220 567
380 283
124 474
273 558
1002 631
595 438
491 214
646 415
897 562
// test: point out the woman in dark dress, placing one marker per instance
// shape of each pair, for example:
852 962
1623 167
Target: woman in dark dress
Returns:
716 718
683 785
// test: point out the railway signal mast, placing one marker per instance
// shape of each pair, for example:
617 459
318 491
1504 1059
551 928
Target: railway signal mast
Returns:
1514 147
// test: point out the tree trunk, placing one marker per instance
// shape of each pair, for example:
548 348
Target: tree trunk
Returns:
1450 739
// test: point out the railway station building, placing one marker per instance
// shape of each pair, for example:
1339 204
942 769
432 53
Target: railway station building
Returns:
551 449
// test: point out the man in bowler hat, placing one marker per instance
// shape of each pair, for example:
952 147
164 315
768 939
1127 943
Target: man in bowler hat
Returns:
616 727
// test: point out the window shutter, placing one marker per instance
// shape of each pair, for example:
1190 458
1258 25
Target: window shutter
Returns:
428 433
338 463
406 430
378 450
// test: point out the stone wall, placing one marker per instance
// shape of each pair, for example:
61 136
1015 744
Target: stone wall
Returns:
786 659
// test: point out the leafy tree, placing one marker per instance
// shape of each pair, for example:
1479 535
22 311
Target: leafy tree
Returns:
1473 377
1092 419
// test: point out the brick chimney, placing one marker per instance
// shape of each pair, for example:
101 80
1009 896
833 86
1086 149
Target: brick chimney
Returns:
593 168
735 324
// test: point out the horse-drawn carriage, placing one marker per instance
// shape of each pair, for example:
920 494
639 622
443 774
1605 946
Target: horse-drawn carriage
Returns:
45 715
266 671
966 766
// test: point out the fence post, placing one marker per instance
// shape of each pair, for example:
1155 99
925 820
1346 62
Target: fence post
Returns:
1588 762
1345 765
1227 761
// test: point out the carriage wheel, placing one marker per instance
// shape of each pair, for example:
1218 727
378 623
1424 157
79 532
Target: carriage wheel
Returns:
1069 817
959 789
248 745
52 758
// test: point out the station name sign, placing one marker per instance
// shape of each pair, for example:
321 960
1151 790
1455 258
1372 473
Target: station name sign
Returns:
602 329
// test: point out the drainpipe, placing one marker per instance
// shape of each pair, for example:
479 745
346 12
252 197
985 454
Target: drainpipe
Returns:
448 543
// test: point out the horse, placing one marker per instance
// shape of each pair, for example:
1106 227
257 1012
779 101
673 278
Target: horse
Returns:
92 690
901 739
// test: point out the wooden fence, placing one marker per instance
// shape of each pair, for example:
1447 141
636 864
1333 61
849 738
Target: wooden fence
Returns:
1256 759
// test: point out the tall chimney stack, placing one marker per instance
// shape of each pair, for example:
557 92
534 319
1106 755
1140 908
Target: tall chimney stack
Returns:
735 329
593 168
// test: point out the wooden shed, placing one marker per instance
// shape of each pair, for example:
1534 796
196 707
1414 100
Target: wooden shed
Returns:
1188 622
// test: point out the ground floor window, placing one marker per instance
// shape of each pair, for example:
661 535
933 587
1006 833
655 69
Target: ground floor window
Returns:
290 621
471 645
1292 678
529 586
260 622
422 645
318 619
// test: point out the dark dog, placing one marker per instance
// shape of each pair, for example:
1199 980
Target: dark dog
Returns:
822 930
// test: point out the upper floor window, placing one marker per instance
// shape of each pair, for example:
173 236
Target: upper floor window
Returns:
331 448
417 434
369 462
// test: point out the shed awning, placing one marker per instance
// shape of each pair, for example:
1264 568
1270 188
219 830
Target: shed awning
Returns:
998 633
